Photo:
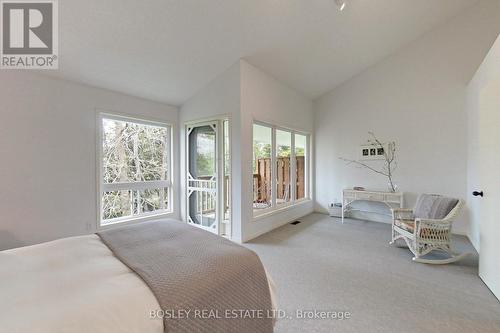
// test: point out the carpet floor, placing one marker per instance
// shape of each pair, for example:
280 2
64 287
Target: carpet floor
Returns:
322 265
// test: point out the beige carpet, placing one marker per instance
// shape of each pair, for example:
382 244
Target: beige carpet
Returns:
321 264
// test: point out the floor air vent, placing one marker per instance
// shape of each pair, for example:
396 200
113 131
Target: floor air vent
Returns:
295 223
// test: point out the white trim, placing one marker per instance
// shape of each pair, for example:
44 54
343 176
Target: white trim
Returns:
273 169
102 114
126 220
132 118
296 212
208 119
291 199
307 168
280 127
136 185
270 212
293 170
230 189
171 168
98 162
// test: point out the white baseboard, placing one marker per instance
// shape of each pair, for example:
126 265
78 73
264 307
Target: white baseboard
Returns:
281 219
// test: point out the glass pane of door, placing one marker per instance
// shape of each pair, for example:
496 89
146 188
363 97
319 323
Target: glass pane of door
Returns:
202 176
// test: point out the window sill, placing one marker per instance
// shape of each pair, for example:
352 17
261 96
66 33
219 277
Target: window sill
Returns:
278 210
133 220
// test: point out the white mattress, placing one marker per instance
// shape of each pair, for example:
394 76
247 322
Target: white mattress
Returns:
74 285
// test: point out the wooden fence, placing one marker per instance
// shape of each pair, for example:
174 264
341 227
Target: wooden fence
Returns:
261 184
262 179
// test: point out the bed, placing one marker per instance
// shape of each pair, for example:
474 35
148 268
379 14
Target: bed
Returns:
79 284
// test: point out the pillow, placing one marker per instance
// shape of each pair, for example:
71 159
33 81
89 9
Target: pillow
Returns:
432 206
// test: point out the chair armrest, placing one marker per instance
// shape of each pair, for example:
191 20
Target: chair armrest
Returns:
433 227
432 222
402 214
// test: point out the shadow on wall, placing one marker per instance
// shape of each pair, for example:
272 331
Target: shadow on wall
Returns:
9 241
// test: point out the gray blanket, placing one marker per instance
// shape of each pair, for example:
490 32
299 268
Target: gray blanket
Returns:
212 283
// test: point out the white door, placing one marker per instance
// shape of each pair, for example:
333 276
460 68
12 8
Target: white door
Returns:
202 184
208 176
489 157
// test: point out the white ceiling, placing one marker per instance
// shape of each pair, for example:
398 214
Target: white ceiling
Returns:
166 50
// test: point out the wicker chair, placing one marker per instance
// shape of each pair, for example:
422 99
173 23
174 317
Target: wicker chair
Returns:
427 227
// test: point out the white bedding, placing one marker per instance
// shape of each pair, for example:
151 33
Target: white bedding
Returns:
74 285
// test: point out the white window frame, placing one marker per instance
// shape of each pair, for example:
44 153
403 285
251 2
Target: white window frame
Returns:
293 165
102 187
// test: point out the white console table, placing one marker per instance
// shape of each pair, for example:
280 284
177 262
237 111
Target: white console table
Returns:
391 199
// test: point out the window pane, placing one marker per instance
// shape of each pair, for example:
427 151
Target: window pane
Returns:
133 152
262 142
283 153
116 204
203 154
300 157
151 153
150 200
226 225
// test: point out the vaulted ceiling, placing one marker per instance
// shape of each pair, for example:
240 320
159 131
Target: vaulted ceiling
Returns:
166 50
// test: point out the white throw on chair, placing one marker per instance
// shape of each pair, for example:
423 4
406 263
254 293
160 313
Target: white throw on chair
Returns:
427 227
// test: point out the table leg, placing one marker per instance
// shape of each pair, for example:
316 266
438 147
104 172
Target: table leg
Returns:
343 211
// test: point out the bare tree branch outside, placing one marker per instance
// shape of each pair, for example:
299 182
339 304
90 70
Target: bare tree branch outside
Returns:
133 153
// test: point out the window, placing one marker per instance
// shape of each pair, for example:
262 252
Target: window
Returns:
283 164
226 229
135 169
300 165
280 160
262 181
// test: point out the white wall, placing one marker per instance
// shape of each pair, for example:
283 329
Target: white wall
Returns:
245 93
416 98
221 97
489 70
48 154
266 99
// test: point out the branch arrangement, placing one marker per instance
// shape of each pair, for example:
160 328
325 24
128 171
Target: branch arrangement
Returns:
390 163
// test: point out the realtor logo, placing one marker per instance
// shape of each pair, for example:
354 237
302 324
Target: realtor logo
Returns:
29 34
